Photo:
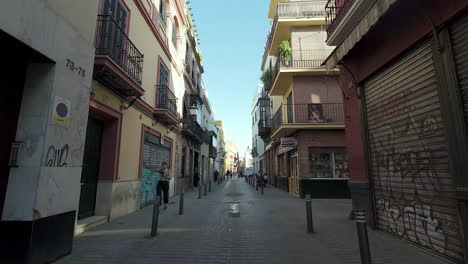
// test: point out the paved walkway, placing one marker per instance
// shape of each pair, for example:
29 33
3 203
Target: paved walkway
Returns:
266 229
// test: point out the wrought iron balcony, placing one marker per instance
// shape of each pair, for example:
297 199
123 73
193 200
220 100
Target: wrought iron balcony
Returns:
118 63
213 152
193 129
293 10
323 113
166 99
301 9
301 59
264 124
335 11
264 128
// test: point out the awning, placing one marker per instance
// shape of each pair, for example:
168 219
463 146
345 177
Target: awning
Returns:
365 24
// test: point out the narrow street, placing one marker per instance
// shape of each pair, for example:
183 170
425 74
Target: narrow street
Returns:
268 229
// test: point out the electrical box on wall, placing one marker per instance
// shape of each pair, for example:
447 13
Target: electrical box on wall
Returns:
15 154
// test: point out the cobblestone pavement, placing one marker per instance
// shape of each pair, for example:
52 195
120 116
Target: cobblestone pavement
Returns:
236 224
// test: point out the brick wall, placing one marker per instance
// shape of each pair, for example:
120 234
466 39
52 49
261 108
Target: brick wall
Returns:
353 130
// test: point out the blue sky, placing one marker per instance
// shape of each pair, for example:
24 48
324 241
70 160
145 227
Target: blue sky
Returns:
232 39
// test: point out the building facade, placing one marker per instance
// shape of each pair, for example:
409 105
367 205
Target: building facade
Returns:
47 76
406 107
95 107
258 145
306 143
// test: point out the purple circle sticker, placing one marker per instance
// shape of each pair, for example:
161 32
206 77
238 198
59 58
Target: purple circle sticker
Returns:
62 110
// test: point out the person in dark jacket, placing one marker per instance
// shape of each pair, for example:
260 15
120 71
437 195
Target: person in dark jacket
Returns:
196 179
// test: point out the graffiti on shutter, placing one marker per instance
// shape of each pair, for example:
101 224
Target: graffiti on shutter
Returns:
414 192
153 156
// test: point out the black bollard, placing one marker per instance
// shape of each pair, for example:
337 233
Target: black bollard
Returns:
209 185
256 184
204 186
199 190
310 223
360 217
261 185
154 222
181 203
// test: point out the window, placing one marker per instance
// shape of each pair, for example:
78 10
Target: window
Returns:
163 83
162 12
175 30
328 163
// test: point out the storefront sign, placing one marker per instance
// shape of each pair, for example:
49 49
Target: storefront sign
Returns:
61 112
288 142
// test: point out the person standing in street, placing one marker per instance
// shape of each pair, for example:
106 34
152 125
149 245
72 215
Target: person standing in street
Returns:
163 184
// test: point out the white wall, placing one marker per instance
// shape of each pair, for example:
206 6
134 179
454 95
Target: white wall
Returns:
34 189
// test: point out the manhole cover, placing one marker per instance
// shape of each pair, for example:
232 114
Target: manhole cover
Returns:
233 209
234 194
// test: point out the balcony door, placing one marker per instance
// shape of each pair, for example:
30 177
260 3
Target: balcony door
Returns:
116 29
290 109
163 86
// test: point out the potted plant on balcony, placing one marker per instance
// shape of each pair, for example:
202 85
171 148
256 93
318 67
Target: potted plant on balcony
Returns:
267 79
285 52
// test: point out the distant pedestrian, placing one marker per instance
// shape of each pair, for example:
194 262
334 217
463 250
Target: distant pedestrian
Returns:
196 179
230 174
215 175
163 184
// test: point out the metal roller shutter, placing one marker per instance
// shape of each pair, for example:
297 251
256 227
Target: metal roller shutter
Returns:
153 155
459 33
414 192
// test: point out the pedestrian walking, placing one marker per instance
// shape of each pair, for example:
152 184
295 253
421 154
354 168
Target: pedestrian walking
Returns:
163 183
215 175
196 179
230 174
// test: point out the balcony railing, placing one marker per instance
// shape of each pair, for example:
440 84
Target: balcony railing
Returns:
302 59
213 152
193 129
308 114
294 9
166 99
301 9
335 10
112 41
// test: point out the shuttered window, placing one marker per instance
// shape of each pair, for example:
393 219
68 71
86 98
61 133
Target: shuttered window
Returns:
414 192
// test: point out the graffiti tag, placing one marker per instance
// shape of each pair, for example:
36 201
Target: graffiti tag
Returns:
414 222
57 157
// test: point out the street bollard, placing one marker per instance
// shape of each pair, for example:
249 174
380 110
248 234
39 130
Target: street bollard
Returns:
205 189
360 217
181 203
310 223
199 190
154 222
209 185
256 184
261 185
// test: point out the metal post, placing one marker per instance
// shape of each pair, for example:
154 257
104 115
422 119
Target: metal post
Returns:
181 203
199 190
256 184
209 185
154 222
310 223
360 217
204 186
261 186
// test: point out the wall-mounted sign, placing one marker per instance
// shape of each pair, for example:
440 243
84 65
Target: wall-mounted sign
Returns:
62 111
289 142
